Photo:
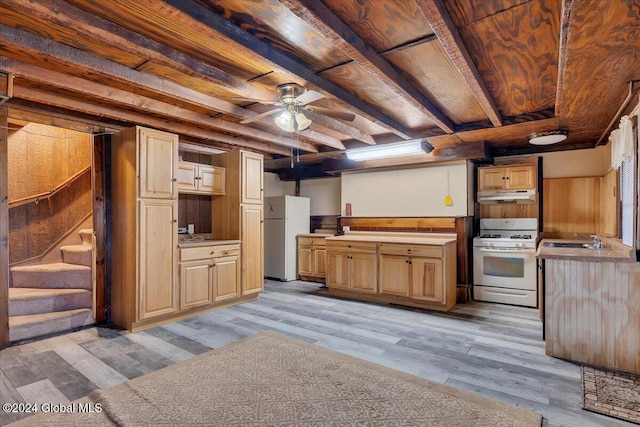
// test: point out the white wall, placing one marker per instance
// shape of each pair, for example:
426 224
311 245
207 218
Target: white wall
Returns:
589 162
272 185
407 192
324 194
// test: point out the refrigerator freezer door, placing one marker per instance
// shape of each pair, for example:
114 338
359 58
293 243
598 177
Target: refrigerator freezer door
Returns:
274 207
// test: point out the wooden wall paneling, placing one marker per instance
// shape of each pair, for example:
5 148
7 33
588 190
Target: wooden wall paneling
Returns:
571 205
101 151
4 229
195 209
509 210
592 313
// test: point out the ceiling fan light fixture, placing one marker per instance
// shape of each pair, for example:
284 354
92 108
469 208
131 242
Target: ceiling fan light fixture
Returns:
302 121
285 121
548 137
409 148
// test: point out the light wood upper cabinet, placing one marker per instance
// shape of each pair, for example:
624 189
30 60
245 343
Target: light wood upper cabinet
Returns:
252 172
157 164
158 293
195 178
517 177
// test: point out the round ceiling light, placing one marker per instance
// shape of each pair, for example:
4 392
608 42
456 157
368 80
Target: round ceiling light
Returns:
548 137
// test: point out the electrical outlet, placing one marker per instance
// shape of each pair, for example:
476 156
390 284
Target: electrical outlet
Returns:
182 230
191 229
346 228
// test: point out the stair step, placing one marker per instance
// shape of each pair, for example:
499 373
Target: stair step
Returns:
54 275
24 301
77 254
86 234
36 325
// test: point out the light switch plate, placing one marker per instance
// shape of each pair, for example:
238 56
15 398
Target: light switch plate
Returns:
191 229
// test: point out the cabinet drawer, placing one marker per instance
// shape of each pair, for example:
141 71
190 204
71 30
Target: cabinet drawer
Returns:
352 246
203 252
431 251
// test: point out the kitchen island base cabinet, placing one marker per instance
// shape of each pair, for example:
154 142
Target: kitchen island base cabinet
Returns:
420 272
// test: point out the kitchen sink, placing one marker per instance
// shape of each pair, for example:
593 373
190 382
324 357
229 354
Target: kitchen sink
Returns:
571 245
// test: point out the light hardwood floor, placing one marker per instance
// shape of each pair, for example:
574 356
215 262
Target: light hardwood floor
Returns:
493 350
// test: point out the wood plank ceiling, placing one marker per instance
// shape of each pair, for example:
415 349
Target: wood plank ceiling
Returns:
474 79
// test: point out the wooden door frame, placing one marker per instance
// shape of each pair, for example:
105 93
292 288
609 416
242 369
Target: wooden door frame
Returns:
4 227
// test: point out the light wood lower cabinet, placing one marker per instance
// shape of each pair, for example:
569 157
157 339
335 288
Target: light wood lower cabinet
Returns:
421 275
312 255
208 274
158 293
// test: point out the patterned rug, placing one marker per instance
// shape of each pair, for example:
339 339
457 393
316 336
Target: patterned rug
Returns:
273 380
611 393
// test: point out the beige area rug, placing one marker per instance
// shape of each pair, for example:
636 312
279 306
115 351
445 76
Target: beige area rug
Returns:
611 393
269 379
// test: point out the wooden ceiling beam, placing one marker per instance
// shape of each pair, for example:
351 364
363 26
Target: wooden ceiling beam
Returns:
89 107
338 126
90 26
332 28
442 24
31 45
565 20
109 95
17 113
264 53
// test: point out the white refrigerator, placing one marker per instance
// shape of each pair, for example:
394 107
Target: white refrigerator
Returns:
284 218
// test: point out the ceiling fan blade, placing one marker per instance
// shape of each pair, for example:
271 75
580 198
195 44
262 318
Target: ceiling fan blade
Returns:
261 101
349 117
261 115
308 97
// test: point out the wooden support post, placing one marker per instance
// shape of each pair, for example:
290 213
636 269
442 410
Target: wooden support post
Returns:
4 228
100 154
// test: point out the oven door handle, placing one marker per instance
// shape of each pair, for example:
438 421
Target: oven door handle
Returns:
506 250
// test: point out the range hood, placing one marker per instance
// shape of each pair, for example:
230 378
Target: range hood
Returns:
506 196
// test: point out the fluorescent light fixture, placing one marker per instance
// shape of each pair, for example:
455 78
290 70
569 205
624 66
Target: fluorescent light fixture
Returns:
548 137
408 148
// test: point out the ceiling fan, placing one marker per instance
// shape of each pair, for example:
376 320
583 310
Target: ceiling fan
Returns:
293 102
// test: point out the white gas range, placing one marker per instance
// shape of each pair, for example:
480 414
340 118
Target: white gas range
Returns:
504 262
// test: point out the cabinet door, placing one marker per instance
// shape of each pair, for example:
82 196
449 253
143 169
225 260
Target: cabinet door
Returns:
319 262
187 176
394 275
206 179
338 270
426 280
251 234
219 181
305 260
251 167
195 286
364 269
491 178
157 290
225 278
158 155
521 177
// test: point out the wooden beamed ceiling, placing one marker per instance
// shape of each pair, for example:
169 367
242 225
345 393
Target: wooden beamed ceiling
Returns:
472 78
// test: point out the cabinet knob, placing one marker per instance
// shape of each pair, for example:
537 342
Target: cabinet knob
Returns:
212 253
175 180
349 245
406 261
175 220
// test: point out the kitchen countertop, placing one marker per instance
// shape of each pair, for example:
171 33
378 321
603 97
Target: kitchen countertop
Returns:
315 235
613 253
396 238
187 241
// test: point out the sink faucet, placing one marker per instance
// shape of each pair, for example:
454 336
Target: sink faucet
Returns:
597 243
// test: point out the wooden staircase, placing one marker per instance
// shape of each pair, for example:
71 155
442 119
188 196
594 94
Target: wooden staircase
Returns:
55 297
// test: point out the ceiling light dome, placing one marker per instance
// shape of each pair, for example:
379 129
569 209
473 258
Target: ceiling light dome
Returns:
285 121
548 137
